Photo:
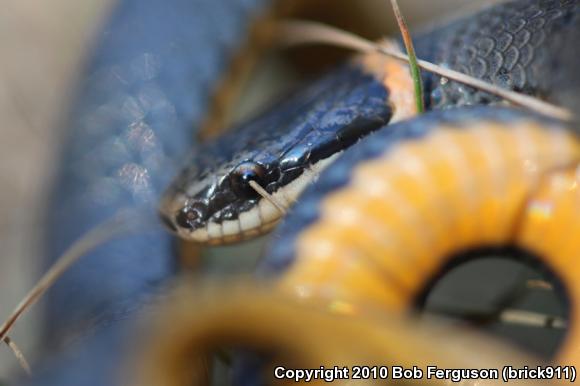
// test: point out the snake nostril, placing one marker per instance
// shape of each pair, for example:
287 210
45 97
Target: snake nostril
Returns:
190 217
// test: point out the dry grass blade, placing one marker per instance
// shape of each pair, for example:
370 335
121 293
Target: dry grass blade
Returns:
109 229
302 32
413 65
267 196
18 354
539 284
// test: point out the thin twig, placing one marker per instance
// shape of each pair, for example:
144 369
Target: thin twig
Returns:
301 32
18 354
262 192
413 65
103 232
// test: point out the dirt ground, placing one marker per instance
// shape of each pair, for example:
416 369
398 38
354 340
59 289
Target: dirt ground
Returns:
41 45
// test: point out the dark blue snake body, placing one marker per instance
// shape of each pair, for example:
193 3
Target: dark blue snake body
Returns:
142 96
519 45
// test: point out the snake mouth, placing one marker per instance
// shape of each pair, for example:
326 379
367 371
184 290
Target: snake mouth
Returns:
211 229
255 221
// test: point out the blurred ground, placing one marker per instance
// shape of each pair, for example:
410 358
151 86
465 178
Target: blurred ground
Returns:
41 45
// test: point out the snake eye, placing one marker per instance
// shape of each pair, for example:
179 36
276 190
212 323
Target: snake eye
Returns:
190 216
241 176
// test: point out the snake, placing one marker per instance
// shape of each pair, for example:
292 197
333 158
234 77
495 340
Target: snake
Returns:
143 96
283 150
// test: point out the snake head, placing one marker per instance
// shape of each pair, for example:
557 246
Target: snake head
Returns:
282 151
218 205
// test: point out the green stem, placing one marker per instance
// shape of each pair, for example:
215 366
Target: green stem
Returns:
413 65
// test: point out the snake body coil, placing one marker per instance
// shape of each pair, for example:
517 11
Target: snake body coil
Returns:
142 96
385 220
